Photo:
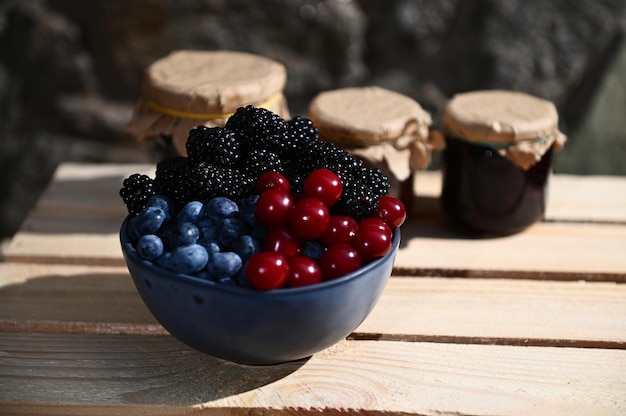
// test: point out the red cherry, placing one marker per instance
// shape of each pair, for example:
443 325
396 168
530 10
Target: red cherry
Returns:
309 218
273 207
267 270
323 184
340 229
391 210
282 240
371 243
303 271
339 260
375 223
269 180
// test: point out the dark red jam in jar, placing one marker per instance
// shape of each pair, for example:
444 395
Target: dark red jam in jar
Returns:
485 191
497 160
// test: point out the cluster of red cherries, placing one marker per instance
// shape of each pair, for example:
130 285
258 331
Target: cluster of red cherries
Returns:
291 220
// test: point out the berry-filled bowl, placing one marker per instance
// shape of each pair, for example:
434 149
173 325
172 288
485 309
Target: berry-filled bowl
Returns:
264 244
249 326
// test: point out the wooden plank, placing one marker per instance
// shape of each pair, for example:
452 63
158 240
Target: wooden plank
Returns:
561 251
499 311
77 221
35 297
77 218
81 299
587 198
571 198
88 249
100 374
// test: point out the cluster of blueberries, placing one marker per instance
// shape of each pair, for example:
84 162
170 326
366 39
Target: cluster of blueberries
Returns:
210 240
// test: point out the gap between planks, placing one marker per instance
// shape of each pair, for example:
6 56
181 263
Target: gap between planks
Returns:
400 271
116 328
569 276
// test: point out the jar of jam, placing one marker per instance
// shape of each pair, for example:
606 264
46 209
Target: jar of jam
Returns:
190 88
497 160
385 129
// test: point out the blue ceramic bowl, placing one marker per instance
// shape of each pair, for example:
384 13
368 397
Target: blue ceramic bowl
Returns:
258 327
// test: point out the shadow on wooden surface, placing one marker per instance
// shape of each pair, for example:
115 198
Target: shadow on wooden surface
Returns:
132 369
101 335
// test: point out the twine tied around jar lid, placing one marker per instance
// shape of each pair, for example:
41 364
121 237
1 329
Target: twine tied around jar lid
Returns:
189 88
377 125
518 126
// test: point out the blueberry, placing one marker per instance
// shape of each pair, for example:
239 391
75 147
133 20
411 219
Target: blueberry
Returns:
313 249
182 234
221 207
224 264
229 229
245 246
211 246
165 260
203 274
241 278
148 221
246 210
191 212
189 259
163 202
150 247
207 228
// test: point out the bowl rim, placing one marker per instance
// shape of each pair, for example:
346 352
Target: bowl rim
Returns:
129 250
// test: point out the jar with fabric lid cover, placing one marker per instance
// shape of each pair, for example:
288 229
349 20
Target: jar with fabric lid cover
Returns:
498 158
188 88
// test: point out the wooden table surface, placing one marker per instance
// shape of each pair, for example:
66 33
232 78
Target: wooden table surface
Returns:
529 324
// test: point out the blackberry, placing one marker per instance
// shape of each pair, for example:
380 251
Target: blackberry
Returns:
355 201
215 145
259 161
322 154
300 133
342 160
136 190
362 188
206 181
237 185
257 127
213 180
174 176
296 180
378 182
302 130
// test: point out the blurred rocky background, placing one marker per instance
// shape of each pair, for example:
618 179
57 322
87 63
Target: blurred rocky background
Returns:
70 70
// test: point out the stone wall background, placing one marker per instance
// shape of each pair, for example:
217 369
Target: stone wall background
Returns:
70 70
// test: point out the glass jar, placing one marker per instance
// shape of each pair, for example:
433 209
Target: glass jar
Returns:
188 88
497 160
484 191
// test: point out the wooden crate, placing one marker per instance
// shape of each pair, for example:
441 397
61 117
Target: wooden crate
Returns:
529 324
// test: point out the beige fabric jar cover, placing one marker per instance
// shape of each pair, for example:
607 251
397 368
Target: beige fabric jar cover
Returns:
519 126
376 124
190 88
